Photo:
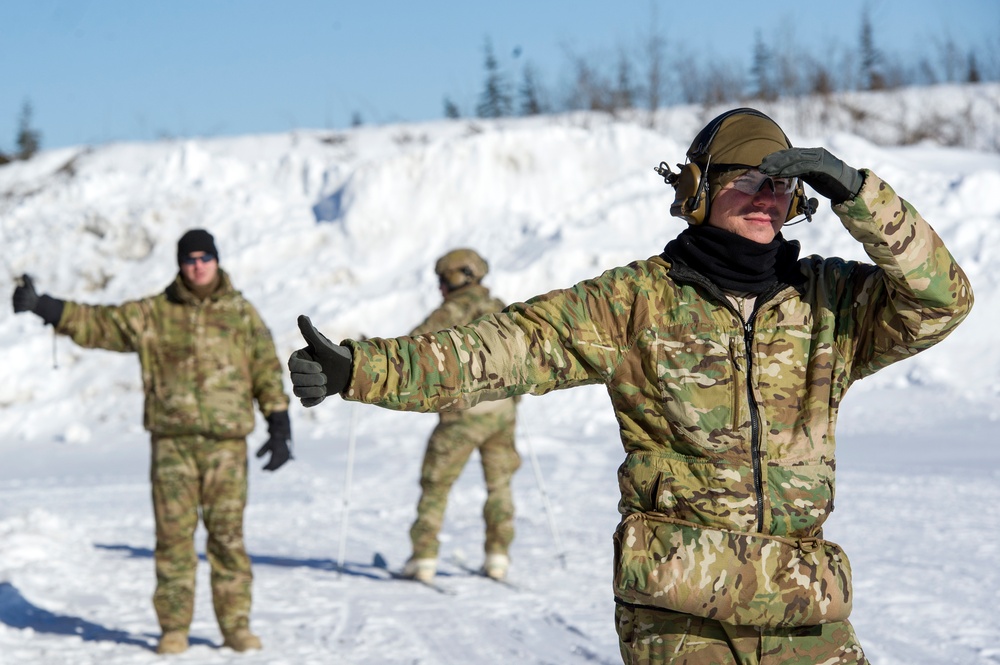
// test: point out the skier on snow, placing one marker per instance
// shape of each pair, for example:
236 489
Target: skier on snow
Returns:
487 427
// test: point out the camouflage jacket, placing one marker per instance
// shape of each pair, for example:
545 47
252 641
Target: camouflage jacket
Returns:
203 362
463 306
726 423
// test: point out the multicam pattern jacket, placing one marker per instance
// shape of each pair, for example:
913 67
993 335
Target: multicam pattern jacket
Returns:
203 362
727 423
462 306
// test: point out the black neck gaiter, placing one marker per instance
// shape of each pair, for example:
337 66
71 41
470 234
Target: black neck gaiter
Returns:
732 262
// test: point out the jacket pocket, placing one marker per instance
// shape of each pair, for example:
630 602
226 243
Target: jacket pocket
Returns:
700 385
730 576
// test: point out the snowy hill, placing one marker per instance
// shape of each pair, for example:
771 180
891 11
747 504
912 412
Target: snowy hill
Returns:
345 227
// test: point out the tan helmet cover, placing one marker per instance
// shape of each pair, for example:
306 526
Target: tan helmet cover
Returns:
742 140
460 267
734 141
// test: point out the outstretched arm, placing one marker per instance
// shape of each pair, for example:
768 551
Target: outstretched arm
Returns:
111 327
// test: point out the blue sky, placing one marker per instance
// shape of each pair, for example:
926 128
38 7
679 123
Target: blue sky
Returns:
110 70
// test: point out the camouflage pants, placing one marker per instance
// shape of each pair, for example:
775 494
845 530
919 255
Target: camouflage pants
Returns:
649 636
450 446
189 474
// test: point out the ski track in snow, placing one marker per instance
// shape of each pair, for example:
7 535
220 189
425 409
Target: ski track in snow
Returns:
347 231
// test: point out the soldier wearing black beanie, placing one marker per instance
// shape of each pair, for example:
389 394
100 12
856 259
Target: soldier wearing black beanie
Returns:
196 240
206 357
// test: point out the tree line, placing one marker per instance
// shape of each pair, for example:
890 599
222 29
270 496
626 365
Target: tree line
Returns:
652 74
28 139
647 77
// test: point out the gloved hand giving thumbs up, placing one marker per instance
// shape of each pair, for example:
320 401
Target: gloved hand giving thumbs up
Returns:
322 368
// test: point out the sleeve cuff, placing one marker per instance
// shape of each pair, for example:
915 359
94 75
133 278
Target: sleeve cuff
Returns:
50 309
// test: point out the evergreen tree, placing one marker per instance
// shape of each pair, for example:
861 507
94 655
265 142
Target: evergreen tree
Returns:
624 94
871 57
494 101
450 109
973 75
530 94
28 140
761 68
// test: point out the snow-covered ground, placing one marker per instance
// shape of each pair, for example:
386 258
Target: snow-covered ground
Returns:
345 227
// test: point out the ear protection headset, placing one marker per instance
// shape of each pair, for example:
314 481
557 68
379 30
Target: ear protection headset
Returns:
691 184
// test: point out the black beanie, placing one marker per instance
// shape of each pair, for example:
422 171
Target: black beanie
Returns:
196 240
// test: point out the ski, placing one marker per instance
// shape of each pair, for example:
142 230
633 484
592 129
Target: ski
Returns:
478 572
379 561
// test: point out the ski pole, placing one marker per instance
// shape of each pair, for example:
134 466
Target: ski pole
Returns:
351 434
539 480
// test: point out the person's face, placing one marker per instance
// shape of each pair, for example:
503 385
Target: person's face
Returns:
750 207
199 268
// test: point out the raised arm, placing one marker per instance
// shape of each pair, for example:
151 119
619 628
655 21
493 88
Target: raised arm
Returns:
917 293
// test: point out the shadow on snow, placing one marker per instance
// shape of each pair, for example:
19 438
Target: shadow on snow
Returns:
350 568
17 611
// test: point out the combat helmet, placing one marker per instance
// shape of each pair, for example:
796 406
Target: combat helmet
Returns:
461 267
737 139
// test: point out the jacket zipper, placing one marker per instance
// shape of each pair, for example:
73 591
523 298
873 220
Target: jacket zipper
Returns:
755 462
683 273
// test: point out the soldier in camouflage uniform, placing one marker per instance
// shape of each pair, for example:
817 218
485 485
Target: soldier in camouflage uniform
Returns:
206 356
726 358
487 427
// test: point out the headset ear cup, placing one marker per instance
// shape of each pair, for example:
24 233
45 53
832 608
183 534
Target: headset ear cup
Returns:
689 195
797 206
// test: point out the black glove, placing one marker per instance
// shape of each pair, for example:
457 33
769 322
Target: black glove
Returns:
829 176
320 369
26 299
279 429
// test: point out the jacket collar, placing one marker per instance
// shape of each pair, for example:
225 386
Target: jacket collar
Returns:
179 293
470 289
682 273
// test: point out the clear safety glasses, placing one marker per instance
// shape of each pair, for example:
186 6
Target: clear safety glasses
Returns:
753 181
